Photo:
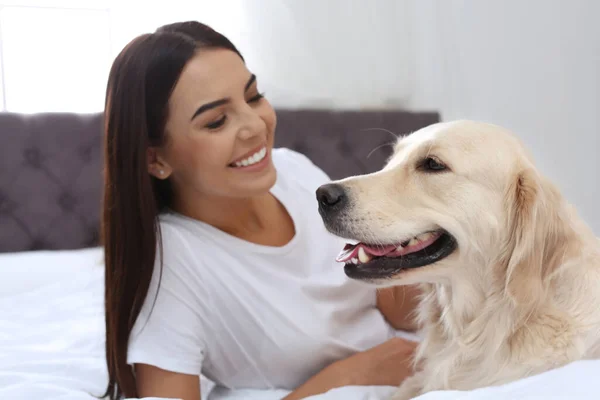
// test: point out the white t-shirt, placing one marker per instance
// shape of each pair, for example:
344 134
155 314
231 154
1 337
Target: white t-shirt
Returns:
254 316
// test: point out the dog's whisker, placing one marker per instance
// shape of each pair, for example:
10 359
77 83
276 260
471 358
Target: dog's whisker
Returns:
395 135
379 147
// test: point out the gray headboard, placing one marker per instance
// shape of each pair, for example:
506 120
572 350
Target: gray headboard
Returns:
51 166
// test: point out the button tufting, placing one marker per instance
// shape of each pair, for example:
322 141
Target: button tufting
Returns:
85 152
33 157
3 202
6 205
93 239
36 244
344 147
300 147
67 202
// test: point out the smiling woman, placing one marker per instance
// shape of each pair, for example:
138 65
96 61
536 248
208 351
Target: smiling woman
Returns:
217 261
210 130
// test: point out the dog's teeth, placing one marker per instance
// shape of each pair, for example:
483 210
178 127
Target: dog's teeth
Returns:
424 236
399 248
363 256
354 261
413 242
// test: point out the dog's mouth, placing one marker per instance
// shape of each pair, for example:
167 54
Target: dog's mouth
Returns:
365 261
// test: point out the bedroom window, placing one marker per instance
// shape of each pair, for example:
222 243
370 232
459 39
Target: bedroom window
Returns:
54 58
55 55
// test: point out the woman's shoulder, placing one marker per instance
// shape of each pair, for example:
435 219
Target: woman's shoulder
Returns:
172 229
298 167
178 242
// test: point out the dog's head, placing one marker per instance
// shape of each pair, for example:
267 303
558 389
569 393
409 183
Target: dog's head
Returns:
453 199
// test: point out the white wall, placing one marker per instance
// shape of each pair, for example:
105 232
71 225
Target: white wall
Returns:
530 65
333 53
533 66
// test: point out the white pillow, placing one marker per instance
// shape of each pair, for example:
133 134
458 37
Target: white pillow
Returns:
25 271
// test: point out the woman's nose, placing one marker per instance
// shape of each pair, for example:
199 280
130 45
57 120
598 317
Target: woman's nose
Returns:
251 125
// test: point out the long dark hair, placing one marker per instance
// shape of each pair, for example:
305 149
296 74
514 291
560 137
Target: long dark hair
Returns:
140 83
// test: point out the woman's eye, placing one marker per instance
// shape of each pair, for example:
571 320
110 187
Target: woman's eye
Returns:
256 98
217 124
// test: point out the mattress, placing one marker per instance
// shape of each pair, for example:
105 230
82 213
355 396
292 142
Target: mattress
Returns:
52 341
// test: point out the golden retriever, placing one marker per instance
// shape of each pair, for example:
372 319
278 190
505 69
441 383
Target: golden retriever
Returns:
510 275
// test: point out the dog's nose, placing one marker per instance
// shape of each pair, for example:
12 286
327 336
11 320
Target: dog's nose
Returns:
331 196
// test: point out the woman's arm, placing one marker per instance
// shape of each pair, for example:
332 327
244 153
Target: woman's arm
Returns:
385 365
397 305
155 382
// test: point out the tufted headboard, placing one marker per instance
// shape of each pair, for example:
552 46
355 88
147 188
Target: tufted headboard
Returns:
51 166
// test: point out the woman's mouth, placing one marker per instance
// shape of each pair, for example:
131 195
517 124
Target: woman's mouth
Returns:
254 159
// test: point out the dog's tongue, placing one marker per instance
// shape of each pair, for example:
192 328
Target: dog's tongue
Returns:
350 251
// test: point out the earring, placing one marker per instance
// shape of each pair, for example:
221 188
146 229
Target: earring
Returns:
161 172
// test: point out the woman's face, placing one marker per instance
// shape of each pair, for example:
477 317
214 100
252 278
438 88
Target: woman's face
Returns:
219 131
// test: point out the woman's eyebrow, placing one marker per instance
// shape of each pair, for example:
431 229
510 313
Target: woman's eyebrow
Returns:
250 82
217 103
209 106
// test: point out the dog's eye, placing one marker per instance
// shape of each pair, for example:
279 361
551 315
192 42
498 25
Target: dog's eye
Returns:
432 165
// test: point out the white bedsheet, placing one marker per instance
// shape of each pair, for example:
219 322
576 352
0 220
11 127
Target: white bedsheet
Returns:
51 325
52 341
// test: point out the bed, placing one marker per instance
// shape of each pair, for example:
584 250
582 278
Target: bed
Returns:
51 271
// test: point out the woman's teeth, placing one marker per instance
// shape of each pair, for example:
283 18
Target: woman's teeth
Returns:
253 159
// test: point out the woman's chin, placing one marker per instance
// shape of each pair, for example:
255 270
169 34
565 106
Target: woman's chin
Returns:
255 186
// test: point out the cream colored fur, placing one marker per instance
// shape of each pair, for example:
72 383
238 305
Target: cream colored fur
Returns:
521 294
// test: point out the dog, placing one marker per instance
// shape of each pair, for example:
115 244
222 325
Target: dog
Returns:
509 273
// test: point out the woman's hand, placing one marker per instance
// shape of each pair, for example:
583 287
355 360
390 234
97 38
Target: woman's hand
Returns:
387 364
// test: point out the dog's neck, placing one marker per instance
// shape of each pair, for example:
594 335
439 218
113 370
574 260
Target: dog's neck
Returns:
468 309
460 314
455 305
461 311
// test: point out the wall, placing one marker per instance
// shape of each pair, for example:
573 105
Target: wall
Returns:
334 53
533 66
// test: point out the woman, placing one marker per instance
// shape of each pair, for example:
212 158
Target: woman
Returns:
216 259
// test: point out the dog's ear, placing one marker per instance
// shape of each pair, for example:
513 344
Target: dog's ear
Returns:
537 237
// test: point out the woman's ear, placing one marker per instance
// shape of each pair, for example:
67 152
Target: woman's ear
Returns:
157 166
